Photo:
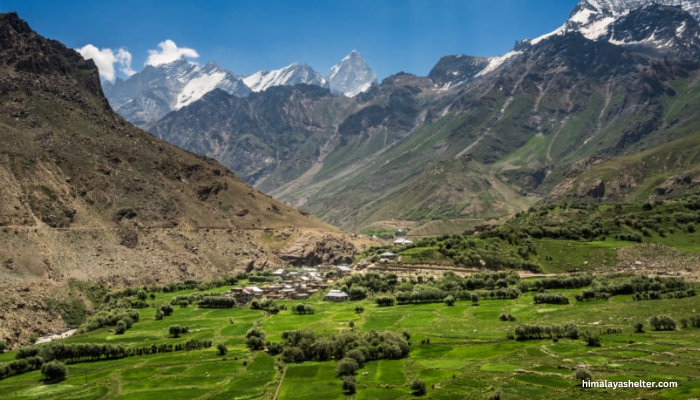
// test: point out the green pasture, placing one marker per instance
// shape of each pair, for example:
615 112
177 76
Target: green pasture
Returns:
460 352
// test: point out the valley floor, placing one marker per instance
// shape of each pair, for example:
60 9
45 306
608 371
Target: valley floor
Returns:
459 352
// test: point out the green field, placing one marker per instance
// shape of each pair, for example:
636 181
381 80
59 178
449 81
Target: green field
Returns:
460 352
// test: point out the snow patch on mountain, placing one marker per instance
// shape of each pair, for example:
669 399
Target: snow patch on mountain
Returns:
293 74
157 90
495 62
198 87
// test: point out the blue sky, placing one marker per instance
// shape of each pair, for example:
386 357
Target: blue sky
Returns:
246 36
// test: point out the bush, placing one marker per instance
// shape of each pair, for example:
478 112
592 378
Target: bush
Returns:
349 384
275 348
222 349
638 327
54 371
592 339
582 374
662 323
418 387
176 330
121 328
3 346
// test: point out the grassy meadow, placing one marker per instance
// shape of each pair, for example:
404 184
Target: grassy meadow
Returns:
460 352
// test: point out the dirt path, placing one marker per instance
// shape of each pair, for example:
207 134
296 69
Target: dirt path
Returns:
277 392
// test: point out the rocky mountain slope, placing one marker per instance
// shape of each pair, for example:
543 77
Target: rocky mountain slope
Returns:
157 90
87 197
478 138
149 95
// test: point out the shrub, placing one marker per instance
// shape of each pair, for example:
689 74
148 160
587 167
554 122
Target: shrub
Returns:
592 339
176 330
349 384
275 348
582 374
418 387
222 349
54 371
662 323
120 328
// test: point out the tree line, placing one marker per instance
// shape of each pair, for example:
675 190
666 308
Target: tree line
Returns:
528 332
305 345
31 358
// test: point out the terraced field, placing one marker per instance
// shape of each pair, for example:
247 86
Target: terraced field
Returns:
460 352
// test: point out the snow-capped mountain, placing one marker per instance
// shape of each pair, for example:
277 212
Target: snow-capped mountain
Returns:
290 75
157 90
596 19
351 76
628 23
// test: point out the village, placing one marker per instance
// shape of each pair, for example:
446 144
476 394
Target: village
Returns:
294 284
300 283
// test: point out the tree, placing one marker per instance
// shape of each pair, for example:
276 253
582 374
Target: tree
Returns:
222 349
349 384
120 328
347 366
275 348
418 387
592 339
167 309
475 298
255 343
450 300
256 339
176 330
351 324
638 327
54 371
141 295
359 309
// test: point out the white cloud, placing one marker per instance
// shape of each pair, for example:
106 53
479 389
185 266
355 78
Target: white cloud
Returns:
124 58
105 60
168 53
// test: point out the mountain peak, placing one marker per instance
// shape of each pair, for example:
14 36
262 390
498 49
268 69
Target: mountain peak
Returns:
290 75
351 76
26 51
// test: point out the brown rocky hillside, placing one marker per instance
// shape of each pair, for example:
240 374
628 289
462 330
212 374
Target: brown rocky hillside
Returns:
85 196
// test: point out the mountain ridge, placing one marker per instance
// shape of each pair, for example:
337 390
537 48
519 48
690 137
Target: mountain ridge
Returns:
479 139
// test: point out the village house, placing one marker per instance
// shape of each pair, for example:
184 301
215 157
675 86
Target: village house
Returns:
242 295
343 270
337 295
